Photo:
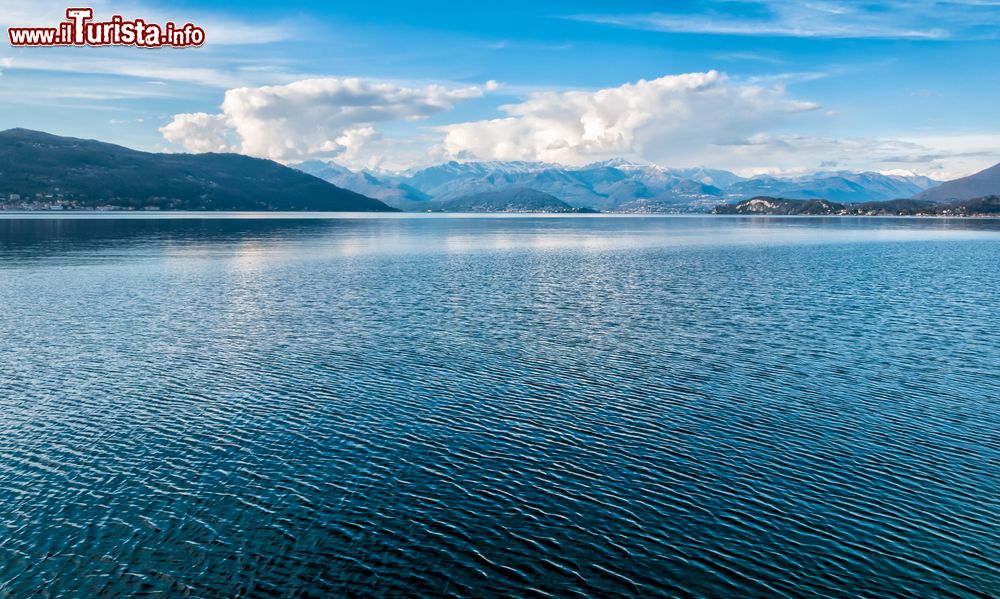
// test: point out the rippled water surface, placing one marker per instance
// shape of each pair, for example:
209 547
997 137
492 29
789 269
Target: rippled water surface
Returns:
718 407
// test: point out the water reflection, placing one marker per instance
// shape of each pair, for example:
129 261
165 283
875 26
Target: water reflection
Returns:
26 236
414 406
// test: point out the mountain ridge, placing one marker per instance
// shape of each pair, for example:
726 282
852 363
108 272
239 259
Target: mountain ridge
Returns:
70 172
623 185
985 182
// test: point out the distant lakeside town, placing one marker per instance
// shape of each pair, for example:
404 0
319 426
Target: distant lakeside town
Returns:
56 202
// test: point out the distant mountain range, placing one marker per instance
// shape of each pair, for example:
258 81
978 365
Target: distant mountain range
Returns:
614 185
837 187
398 195
985 206
39 168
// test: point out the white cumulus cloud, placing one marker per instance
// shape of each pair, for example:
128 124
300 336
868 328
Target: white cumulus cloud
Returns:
664 120
693 119
326 117
199 132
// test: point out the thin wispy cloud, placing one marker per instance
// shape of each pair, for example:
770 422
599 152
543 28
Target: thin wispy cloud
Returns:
748 57
132 67
825 72
907 20
516 45
940 156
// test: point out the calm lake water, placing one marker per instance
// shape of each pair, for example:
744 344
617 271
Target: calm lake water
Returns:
400 405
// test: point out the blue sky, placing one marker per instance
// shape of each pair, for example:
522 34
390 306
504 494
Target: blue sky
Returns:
765 86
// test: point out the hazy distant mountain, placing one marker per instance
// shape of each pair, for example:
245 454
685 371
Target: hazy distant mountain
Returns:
983 183
606 186
715 177
397 195
454 180
838 187
87 173
616 185
506 200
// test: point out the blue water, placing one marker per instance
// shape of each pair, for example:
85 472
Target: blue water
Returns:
591 406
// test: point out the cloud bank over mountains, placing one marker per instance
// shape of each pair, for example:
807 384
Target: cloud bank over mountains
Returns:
327 117
659 120
684 120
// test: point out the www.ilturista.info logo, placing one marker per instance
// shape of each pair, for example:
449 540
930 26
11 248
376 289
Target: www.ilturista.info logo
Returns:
79 29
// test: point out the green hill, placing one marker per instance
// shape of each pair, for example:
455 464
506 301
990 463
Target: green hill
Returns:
505 200
783 206
986 206
86 173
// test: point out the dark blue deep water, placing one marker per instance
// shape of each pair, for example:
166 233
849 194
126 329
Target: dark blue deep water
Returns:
590 406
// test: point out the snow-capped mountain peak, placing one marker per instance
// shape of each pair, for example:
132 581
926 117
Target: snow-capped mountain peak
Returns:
618 184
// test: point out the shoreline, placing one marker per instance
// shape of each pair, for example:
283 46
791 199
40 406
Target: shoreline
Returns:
262 214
